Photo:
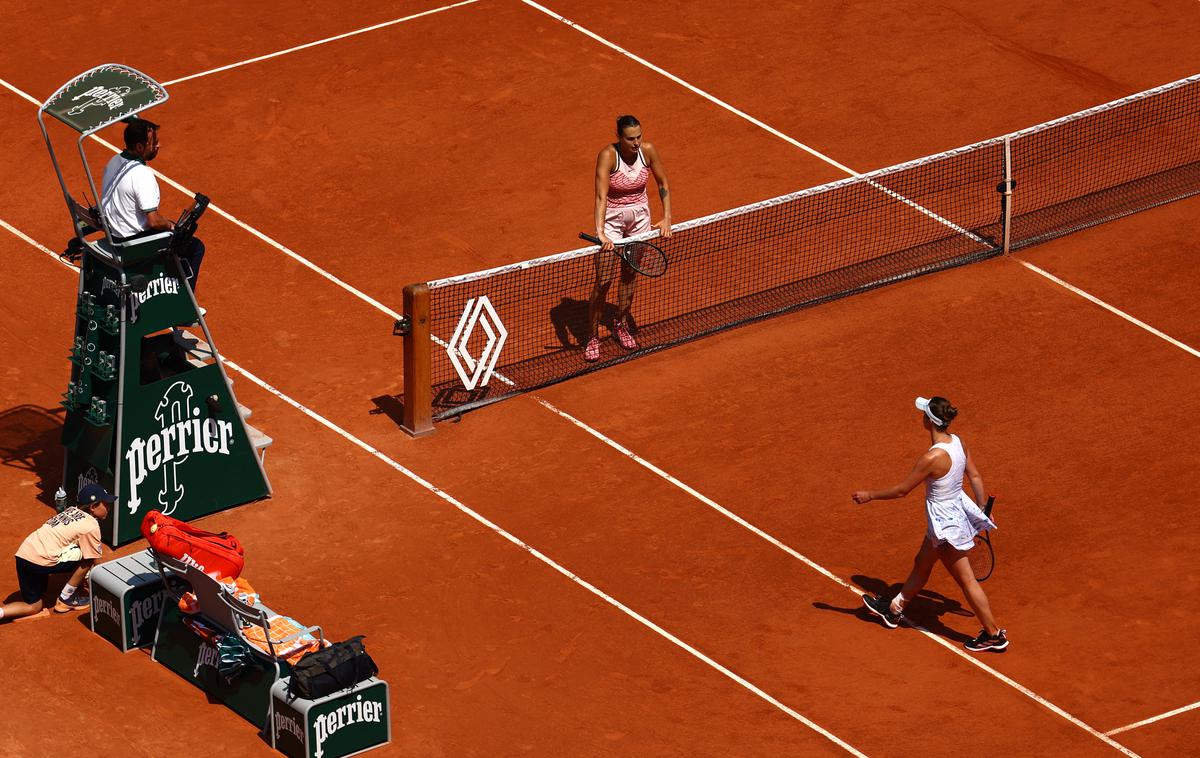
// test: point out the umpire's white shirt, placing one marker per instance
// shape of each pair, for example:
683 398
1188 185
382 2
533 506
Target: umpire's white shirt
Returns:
128 193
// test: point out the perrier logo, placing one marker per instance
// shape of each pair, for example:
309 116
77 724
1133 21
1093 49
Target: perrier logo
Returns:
111 97
182 433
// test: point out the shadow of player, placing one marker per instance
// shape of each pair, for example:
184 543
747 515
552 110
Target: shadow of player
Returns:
925 610
571 327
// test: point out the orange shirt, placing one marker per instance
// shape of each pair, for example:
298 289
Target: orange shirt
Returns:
72 526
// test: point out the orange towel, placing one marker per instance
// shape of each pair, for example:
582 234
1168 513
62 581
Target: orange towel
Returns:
282 627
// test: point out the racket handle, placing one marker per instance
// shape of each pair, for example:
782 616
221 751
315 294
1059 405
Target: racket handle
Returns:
589 237
987 509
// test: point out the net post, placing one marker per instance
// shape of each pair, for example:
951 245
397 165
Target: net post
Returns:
1006 190
418 382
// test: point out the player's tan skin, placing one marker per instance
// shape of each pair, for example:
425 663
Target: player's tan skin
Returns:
629 141
17 609
935 463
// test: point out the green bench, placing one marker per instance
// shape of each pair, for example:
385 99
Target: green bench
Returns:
344 723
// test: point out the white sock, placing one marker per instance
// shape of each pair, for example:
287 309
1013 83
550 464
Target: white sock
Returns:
898 602
67 592
1 611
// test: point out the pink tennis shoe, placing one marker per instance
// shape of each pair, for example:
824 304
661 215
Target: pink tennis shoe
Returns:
623 336
591 353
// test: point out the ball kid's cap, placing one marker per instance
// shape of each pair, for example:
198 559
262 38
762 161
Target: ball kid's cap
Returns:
923 406
94 493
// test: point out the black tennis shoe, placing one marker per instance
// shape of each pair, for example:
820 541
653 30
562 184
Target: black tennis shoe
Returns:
987 643
883 609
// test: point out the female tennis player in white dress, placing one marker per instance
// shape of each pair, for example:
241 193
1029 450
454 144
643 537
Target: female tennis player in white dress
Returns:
622 210
952 519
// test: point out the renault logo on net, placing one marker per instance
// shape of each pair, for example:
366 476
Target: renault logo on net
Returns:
476 372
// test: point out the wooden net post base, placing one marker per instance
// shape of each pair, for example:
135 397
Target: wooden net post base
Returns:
418 381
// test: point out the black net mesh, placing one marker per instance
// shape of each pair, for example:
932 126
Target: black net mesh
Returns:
518 327
1106 163
725 270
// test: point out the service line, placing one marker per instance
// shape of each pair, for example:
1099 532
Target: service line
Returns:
840 166
307 45
659 472
1153 719
675 482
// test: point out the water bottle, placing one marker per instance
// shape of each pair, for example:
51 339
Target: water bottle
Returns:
60 500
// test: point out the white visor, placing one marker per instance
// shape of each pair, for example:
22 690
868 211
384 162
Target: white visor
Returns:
923 406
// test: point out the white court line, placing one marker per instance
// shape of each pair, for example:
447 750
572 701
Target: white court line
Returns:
973 660
1152 719
305 46
692 88
26 238
843 167
1109 308
500 531
229 216
1021 688
594 432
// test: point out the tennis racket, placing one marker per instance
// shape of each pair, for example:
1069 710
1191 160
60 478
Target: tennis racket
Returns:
642 257
982 557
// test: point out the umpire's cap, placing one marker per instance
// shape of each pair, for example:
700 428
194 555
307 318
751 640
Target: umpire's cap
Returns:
94 493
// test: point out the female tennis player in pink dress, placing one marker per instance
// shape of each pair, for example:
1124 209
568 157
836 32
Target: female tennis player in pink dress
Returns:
622 210
952 522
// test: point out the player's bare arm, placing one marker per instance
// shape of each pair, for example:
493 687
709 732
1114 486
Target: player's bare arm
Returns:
924 466
605 162
976 481
664 191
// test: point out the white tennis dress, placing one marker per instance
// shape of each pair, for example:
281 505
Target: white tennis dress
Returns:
950 514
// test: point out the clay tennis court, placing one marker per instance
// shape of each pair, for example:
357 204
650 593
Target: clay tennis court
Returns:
660 558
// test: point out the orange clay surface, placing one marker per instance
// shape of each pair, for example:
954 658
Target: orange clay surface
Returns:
466 139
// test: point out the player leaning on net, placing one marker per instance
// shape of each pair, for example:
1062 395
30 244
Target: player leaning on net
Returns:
69 542
129 194
952 522
622 210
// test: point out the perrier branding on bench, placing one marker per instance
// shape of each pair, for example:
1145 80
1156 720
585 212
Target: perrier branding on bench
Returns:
341 724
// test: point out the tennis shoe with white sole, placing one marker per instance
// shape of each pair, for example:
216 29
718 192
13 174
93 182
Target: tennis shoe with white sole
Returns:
591 353
623 336
883 609
987 643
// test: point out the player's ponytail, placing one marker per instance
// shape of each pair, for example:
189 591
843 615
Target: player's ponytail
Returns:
942 408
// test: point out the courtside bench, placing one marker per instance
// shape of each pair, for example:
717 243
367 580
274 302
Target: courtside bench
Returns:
342 724
127 596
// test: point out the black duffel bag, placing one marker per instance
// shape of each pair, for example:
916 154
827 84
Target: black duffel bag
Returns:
333 669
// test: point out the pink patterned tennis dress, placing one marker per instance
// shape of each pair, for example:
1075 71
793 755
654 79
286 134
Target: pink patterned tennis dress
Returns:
628 211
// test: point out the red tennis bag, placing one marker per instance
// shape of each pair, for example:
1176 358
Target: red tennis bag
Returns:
219 555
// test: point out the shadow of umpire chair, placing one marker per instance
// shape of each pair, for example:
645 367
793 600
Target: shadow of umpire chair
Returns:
150 409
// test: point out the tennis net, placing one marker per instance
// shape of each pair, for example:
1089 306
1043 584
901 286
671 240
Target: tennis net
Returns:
514 328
